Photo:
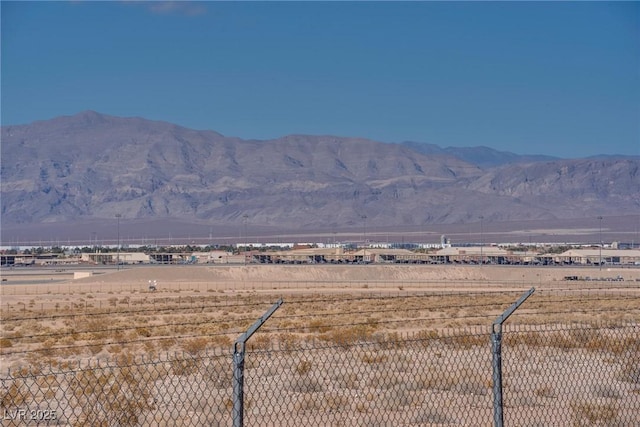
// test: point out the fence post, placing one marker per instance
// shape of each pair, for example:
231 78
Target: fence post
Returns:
238 365
496 347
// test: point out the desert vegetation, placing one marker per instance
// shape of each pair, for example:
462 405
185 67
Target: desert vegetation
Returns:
374 355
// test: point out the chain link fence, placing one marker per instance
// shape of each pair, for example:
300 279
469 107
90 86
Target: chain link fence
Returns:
552 375
572 375
176 390
415 380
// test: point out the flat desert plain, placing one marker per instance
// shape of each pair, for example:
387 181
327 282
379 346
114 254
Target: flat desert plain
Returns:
350 345
49 315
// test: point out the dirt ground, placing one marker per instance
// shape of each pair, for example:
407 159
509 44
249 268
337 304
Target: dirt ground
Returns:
48 309
309 278
50 320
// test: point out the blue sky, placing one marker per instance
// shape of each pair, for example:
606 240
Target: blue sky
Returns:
549 78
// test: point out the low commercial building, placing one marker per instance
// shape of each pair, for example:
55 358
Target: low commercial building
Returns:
474 255
113 257
597 256
303 256
213 257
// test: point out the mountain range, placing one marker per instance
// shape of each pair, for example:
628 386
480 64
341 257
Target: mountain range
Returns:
91 166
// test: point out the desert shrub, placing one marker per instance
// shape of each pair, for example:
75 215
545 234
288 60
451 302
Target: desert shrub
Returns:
110 397
219 376
13 396
605 391
318 326
362 407
398 396
115 349
585 338
98 328
427 334
149 348
372 357
630 372
349 380
588 339
195 346
220 341
346 337
591 413
47 349
95 348
305 384
308 402
143 332
383 380
335 402
259 342
388 341
303 367
287 341
400 362
532 339
466 341
545 391
183 366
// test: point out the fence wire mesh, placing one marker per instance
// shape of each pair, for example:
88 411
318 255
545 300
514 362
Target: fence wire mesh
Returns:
178 390
553 375
572 375
412 381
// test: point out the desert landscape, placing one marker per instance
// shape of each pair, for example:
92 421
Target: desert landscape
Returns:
41 301
374 214
362 342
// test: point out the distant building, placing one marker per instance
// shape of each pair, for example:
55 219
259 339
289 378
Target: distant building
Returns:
594 256
213 257
112 258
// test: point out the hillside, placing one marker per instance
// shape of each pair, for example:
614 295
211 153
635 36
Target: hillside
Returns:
92 166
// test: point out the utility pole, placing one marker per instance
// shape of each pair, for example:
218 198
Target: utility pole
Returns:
481 239
364 247
118 216
600 246
245 217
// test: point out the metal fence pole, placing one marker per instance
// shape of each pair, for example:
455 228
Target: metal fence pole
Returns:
496 347
238 365
238 385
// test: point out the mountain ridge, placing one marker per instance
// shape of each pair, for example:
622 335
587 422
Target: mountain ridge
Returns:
92 165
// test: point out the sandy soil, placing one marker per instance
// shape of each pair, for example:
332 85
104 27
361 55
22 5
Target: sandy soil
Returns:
44 288
50 319
336 275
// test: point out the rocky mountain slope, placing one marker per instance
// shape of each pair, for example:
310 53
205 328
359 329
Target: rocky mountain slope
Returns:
483 157
91 166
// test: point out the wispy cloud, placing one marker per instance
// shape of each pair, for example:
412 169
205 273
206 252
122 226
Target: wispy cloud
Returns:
187 8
